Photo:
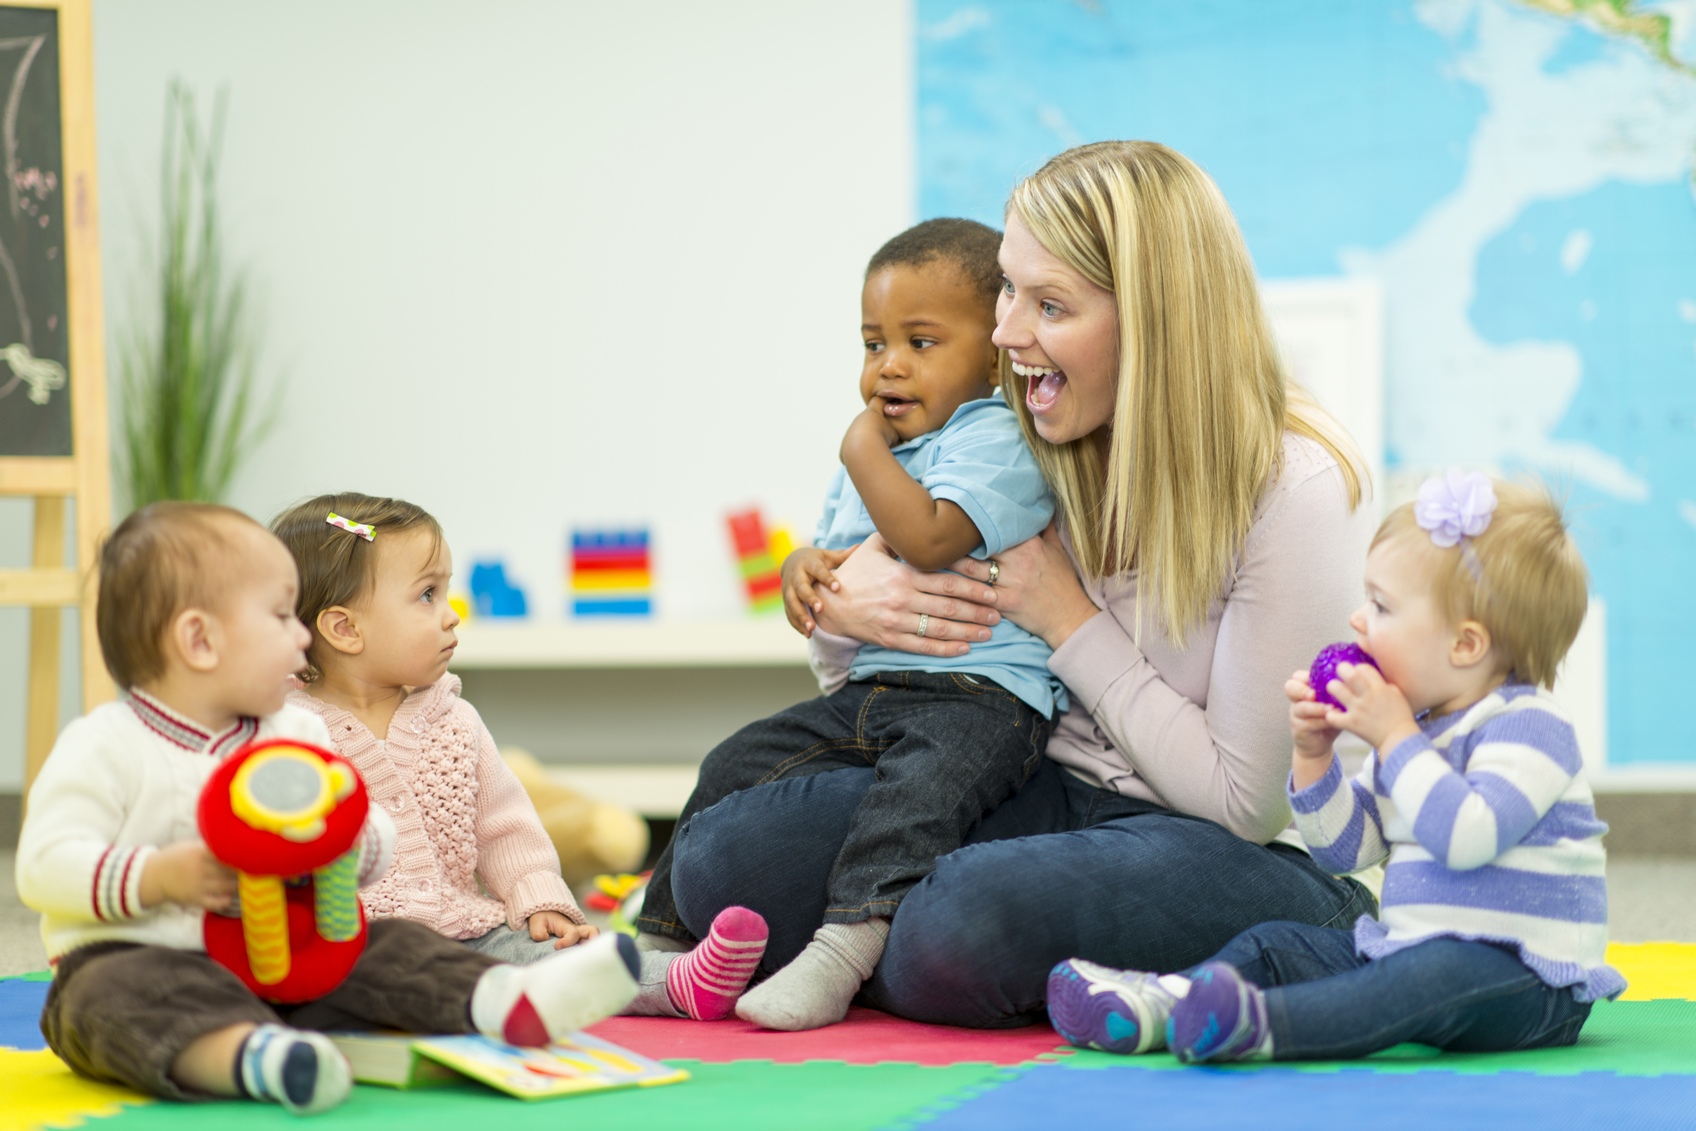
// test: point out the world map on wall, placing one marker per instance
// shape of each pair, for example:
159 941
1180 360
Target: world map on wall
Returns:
1516 174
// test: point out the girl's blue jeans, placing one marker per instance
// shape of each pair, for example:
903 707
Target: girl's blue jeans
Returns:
1326 1002
1061 870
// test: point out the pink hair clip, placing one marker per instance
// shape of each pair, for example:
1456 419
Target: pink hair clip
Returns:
362 529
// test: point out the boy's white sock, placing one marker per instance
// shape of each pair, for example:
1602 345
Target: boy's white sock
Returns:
303 1071
817 987
537 1004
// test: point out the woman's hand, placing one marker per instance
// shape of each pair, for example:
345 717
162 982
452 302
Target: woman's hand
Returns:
1036 587
879 600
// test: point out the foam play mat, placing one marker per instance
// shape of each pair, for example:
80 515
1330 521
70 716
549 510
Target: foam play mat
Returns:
1635 1066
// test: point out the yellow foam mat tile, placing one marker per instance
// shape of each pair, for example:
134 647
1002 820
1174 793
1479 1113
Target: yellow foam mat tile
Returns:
1655 969
41 1092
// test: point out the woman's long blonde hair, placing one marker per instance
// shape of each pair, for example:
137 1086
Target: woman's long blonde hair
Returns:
1203 401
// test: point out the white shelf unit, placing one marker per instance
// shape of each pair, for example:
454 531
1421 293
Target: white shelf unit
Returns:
625 710
765 641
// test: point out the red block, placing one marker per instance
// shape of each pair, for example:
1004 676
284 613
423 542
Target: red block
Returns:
582 562
747 532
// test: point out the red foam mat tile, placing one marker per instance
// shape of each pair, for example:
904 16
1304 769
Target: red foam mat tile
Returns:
866 1037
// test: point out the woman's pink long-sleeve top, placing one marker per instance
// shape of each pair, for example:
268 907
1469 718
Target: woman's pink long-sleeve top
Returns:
1204 729
460 814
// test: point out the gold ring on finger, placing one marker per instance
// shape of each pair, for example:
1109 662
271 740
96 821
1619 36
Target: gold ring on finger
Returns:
924 623
994 571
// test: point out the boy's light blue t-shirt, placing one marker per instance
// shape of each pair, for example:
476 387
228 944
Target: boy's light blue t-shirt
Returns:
979 462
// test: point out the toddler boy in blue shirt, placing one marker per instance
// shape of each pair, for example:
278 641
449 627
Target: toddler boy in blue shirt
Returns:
937 466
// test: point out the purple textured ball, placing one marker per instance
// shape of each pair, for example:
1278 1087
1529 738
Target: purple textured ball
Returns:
1324 668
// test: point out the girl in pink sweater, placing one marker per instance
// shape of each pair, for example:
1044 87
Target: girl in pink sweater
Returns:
373 589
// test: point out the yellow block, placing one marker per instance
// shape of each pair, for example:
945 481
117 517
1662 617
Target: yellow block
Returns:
40 1092
611 579
1655 969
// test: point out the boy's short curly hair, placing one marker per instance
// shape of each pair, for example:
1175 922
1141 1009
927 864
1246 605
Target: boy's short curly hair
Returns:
971 247
336 567
162 559
1523 579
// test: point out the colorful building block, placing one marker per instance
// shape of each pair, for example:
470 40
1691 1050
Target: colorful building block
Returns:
759 558
610 573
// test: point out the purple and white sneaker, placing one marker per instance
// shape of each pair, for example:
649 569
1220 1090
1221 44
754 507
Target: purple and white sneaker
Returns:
1098 1007
1222 1017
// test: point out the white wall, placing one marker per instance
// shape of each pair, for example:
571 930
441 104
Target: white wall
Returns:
532 264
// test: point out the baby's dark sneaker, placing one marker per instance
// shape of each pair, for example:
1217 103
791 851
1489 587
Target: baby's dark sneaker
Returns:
1223 1017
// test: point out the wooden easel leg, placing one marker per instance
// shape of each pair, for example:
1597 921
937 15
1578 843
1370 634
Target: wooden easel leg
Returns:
44 639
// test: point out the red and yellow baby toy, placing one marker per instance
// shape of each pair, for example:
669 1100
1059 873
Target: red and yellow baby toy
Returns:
287 816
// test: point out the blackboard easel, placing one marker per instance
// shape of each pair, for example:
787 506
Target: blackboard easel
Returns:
53 427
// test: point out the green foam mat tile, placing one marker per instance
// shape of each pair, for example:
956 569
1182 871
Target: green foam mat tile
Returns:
1625 1038
1278 1099
741 1096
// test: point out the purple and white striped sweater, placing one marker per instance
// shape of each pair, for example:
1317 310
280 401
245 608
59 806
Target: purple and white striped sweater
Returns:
1491 833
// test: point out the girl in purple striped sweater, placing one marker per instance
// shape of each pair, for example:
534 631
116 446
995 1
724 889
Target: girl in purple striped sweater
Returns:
1493 925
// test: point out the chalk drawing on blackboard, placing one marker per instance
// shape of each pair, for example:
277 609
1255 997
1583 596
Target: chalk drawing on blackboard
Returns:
36 381
31 46
43 375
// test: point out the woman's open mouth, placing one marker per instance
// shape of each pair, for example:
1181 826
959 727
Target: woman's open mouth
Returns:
1044 388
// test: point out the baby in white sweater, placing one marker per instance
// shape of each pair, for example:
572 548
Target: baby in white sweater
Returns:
197 625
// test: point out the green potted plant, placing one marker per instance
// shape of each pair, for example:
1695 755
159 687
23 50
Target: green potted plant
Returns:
188 368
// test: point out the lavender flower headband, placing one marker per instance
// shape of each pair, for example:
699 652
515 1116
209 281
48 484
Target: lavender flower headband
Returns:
1455 508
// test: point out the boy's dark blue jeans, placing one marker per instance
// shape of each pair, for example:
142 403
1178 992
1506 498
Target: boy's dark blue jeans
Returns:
1326 1002
946 748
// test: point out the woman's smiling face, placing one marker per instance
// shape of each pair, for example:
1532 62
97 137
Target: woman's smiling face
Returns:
1062 333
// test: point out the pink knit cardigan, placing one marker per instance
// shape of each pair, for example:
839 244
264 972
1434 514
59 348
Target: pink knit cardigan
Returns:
460 813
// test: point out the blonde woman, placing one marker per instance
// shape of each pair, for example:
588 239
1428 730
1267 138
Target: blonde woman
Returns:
1212 526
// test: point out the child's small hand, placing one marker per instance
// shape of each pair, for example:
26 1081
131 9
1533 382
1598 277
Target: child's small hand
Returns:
188 874
1375 710
545 923
1314 736
802 569
870 424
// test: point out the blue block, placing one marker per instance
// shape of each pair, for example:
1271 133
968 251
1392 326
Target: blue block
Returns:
20 1014
493 595
635 539
612 607
1281 1099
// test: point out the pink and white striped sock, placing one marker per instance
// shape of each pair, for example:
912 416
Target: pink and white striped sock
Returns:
706 982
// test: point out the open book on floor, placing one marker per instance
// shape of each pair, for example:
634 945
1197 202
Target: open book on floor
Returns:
580 1063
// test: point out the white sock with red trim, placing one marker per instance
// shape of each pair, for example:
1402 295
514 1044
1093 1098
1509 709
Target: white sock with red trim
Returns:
537 1004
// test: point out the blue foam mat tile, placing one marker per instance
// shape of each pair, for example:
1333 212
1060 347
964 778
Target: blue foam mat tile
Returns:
1278 1099
20 1014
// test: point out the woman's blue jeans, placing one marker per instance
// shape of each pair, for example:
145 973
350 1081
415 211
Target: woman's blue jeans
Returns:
1062 870
1324 1001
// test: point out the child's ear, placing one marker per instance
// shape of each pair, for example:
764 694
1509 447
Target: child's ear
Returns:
1471 645
340 631
994 367
194 637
